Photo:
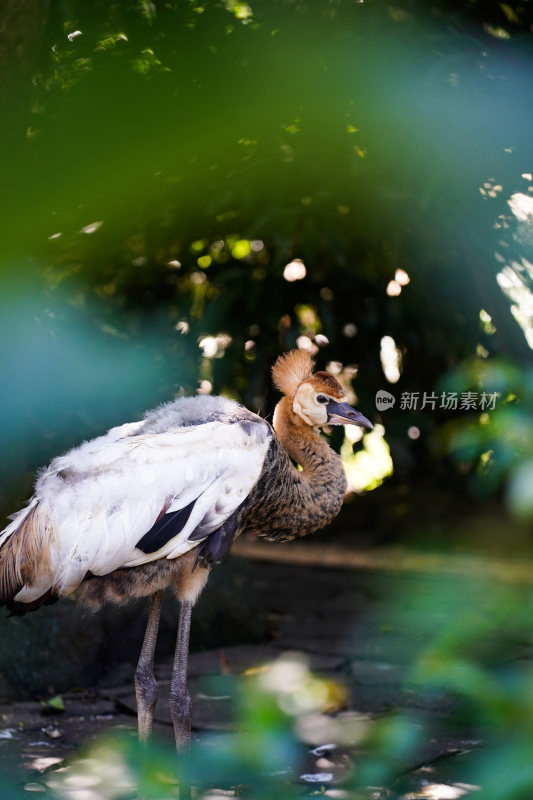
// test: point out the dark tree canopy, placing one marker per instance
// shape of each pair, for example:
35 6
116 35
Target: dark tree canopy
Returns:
165 161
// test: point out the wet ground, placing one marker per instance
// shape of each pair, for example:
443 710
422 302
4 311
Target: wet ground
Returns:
344 618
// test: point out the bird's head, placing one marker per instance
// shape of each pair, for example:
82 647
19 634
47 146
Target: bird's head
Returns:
317 398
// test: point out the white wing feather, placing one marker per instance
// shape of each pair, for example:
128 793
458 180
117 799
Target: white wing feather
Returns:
102 497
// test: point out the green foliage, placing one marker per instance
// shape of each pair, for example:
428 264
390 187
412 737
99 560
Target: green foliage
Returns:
496 446
54 705
473 658
261 757
470 662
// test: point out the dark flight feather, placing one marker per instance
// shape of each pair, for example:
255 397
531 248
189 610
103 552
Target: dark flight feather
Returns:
166 527
19 609
217 544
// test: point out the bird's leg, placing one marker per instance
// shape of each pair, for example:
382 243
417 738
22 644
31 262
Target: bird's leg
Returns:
189 583
145 682
180 702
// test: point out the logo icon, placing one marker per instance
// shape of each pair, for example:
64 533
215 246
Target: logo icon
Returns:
384 400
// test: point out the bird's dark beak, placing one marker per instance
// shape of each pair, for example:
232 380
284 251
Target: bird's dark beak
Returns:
344 414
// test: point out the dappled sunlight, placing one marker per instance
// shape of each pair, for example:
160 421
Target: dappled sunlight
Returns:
353 433
515 279
42 763
205 387
367 468
241 11
305 343
92 227
296 690
295 270
335 367
308 318
444 791
402 277
490 189
522 206
345 375
393 289
486 322
350 330
241 248
391 359
213 346
104 774
198 278
513 283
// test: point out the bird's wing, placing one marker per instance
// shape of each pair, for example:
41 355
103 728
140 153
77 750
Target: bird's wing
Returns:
143 503
96 454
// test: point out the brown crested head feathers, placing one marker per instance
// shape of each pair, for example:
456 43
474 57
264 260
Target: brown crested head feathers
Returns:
293 368
325 382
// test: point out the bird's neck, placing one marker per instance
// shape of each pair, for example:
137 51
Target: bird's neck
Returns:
303 443
321 480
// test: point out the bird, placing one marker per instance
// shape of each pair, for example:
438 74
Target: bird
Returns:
156 503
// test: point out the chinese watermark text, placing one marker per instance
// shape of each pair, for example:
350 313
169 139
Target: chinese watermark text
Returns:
447 401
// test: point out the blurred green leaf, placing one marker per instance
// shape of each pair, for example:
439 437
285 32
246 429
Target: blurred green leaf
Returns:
53 705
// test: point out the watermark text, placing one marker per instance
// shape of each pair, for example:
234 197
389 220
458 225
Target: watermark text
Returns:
447 401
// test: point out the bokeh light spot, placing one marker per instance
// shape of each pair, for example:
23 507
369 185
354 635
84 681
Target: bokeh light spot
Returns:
393 289
295 270
402 277
391 359
205 387
92 227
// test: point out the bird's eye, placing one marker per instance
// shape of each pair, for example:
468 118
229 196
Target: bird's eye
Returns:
321 398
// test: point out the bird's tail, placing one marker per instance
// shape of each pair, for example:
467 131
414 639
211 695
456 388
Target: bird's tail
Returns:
24 551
